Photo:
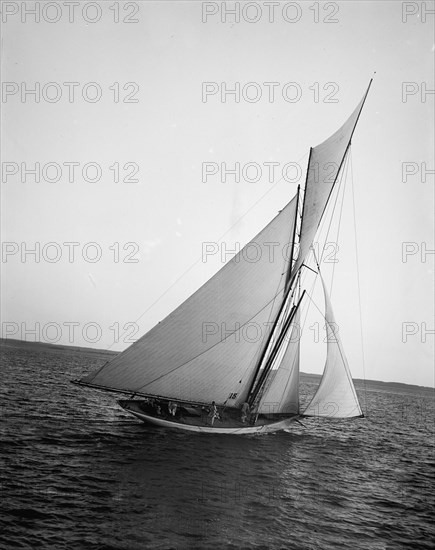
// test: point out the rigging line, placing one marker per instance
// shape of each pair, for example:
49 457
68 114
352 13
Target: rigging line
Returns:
200 259
329 205
338 342
302 283
343 358
345 153
273 354
333 208
290 370
206 350
302 328
255 359
303 320
290 261
344 180
254 385
359 287
302 279
317 307
322 224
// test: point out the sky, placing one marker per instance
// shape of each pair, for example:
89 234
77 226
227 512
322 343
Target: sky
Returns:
128 160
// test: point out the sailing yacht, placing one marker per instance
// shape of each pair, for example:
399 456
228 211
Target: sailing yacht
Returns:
224 381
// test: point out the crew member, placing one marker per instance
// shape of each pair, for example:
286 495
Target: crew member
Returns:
245 412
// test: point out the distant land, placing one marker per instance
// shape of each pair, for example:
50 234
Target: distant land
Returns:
374 385
42 346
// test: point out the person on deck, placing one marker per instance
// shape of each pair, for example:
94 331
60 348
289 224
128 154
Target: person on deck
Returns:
213 414
172 408
245 412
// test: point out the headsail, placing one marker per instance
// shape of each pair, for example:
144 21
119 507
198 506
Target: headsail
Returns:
206 349
336 396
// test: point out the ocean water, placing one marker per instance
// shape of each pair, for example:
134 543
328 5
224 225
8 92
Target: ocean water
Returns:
78 472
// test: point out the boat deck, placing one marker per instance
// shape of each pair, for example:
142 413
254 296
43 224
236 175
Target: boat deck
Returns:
193 415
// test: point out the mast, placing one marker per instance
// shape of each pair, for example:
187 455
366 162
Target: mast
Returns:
255 387
303 208
266 347
274 351
293 236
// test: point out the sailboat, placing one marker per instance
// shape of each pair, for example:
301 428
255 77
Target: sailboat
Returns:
201 370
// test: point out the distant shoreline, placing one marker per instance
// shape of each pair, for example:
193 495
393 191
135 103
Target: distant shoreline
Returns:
378 385
10 342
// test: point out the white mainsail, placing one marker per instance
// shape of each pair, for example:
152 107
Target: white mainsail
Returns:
282 395
206 349
336 396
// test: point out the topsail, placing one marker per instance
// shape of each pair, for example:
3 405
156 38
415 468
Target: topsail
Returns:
324 164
